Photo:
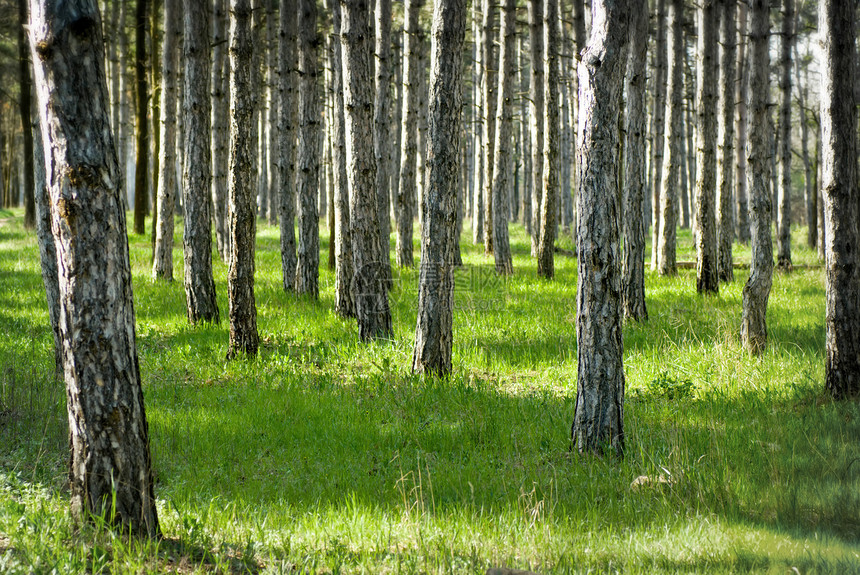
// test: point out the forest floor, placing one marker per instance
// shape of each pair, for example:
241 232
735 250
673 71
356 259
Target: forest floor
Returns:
326 455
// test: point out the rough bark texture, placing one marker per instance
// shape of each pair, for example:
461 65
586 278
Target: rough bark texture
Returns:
488 125
220 130
725 140
434 332
633 286
742 123
674 131
109 470
598 425
549 202
783 228
125 114
536 113
477 146
810 190
368 282
310 134
24 102
287 123
707 278
757 288
839 183
408 135
344 290
504 129
244 338
141 171
381 127
197 239
162 262
658 127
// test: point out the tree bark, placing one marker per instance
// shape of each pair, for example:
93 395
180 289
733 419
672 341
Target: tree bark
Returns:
381 126
477 142
110 471
810 191
536 114
839 183
287 123
549 202
220 130
369 282
742 123
598 425
141 172
757 288
434 332
488 126
197 239
162 263
633 286
504 127
272 115
658 127
725 138
24 101
784 220
310 134
707 276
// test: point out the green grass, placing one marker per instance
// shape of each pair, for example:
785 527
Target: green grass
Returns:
327 455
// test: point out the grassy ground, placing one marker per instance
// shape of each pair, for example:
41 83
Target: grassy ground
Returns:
327 455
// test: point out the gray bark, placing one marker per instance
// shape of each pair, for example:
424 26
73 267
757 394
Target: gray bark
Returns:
810 192
549 202
381 126
488 126
784 219
633 286
368 282
110 472
477 142
536 114
220 130
24 103
598 425
434 331
504 131
272 115
741 124
525 138
757 288
839 183
725 138
141 172
288 109
658 127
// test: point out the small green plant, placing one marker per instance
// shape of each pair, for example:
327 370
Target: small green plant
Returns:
668 387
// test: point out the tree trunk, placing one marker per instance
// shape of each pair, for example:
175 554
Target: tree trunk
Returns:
162 263
757 288
549 202
397 124
409 135
197 239
220 130
784 224
369 282
839 183
707 277
536 114
434 332
274 184
125 88
504 126
598 425
810 192
141 172
26 118
658 127
310 133
525 137
725 138
742 123
633 286
287 123
488 135
477 146
567 148
154 66
381 126
110 473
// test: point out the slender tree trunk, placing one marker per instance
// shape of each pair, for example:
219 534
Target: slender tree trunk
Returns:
154 67
633 286
24 102
381 126
287 123
162 264
810 193
658 127
504 126
197 239
141 172
839 182
707 277
310 134
757 289
567 148
397 123
741 123
725 138
110 472
478 146
220 130
536 114
434 332
598 424
489 99
126 88
274 184
369 282
784 224
549 203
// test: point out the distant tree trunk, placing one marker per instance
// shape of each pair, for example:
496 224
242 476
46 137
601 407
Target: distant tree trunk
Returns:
536 114
633 283
287 123
244 339
307 272
344 290
26 118
525 137
489 98
478 146
141 173
565 206
674 131
839 182
162 263
658 127
110 472
707 277
757 289
220 130
197 239
741 123
274 184
369 283
397 123
408 135
504 125
810 192
154 67
381 126
784 224
115 75
598 425
434 332
725 138
549 203
125 114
